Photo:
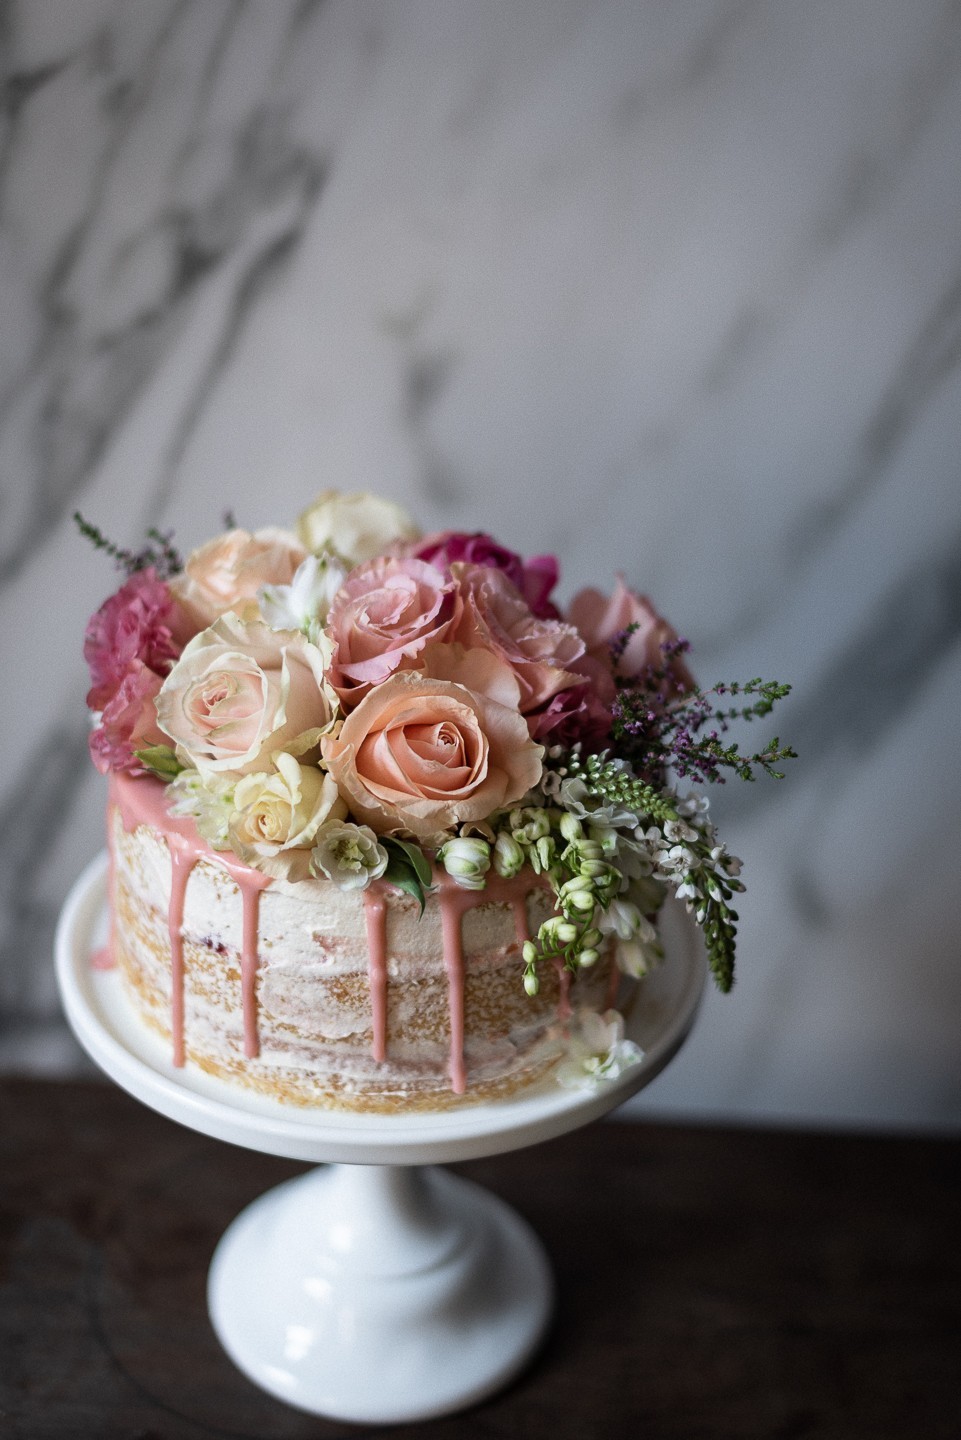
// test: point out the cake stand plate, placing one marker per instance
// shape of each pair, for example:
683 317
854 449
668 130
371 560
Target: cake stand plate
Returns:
377 1288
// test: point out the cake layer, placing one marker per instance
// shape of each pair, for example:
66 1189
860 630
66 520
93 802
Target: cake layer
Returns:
315 994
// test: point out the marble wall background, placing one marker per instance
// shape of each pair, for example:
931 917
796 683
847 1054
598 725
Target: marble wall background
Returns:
669 289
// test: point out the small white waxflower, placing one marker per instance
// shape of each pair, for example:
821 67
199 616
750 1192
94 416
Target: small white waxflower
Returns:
597 1051
349 855
208 801
304 603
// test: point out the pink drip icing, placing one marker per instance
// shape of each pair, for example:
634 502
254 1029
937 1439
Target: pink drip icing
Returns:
375 914
452 908
141 802
564 991
102 959
181 864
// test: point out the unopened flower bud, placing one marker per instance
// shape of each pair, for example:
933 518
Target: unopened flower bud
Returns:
570 827
531 983
508 856
582 901
529 952
587 958
466 860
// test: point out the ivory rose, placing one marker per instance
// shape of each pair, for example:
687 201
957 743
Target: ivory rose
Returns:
357 526
277 815
495 615
600 620
241 692
384 615
231 568
420 756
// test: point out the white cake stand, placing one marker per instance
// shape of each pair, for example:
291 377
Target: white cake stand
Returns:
378 1288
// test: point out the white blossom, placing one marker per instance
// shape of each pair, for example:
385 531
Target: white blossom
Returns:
597 1051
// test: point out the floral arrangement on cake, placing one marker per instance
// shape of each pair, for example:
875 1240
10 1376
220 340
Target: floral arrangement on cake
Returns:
354 701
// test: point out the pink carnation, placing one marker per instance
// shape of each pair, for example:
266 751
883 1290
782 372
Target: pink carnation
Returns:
541 653
534 578
133 626
128 722
382 617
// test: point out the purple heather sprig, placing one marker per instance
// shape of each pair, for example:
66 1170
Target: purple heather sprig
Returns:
161 554
657 725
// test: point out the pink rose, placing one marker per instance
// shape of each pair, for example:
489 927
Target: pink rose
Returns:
128 722
241 691
601 620
231 568
133 626
534 578
420 756
382 617
542 653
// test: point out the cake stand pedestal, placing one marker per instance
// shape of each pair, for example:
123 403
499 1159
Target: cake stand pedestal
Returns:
376 1288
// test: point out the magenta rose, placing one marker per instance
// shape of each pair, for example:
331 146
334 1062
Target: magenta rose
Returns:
134 626
534 578
382 617
602 620
541 653
128 722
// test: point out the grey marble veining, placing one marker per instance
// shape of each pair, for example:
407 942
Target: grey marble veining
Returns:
672 290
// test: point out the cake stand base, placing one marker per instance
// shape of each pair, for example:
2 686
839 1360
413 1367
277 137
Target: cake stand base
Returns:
379 1294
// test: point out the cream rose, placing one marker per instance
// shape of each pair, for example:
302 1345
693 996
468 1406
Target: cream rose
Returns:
277 815
240 692
231 568
420 756
357 526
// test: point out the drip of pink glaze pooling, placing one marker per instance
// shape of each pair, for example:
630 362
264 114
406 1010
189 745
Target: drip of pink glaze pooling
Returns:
375 916
141 802
452 908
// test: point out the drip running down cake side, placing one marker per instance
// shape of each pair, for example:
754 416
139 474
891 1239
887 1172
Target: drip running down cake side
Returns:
317 996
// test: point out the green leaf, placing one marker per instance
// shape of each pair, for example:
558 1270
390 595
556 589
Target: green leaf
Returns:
407 868
161 760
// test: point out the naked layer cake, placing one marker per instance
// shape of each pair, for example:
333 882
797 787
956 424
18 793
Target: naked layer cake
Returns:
388 827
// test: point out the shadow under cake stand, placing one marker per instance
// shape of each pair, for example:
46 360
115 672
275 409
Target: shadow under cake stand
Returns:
375 1288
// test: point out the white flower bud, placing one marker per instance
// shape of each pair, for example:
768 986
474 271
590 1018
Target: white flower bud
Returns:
587 958
531 983
571 828
467 860
508 856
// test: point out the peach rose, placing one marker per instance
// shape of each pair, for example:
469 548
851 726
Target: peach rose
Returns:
357 526
231 568
241 692
497 617
382 617
420 756
600 620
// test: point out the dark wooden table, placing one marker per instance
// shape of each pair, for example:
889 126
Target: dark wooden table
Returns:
713 1282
